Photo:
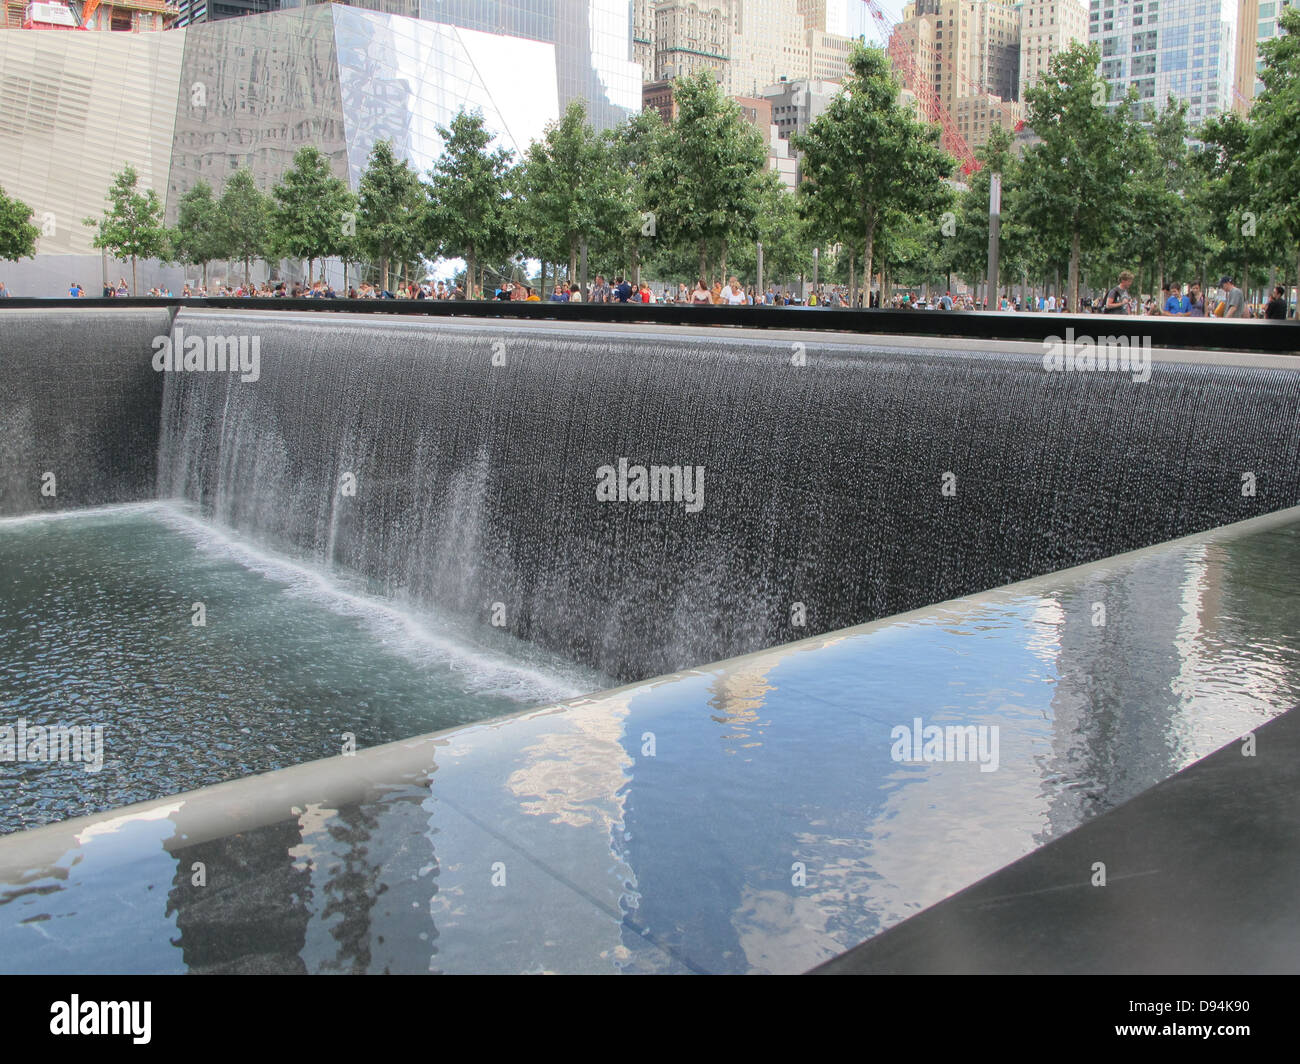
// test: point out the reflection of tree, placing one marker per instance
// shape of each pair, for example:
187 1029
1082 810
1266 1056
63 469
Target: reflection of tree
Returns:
352 889
251 916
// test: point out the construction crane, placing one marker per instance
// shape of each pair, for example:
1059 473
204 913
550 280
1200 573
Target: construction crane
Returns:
932 108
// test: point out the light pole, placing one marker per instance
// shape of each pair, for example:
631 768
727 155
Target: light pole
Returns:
759 285
816 261
995 226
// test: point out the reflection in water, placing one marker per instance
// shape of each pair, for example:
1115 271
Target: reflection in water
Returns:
248 915
631 836
738 694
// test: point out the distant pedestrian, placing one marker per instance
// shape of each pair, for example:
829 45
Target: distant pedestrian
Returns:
1177 305
1233 304
1117 301
733 294
1276 309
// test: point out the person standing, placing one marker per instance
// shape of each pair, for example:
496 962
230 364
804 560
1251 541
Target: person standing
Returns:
1195 301
600 291
1234 302
701 293
1276 309
733 294
1117 297
1177 305
622 291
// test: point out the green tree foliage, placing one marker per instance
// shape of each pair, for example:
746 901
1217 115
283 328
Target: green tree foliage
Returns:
866 156
469 210
1275 134
197 238
132 226
1072 186
704 185
18 235
564 181
313 211
390 210
245 220
783 232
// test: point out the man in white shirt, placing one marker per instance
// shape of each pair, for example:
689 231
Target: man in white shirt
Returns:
732 292
1051 304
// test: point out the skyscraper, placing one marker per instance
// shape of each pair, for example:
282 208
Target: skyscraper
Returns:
1164 48
1257 22
1048 27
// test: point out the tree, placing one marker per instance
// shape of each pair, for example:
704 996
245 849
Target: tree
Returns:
18 235
866 155
390 210
703 186
621 190
969 253
1275 133
467 215
1072 185
311 210
197 238
245 221
132 226
562 180
787 245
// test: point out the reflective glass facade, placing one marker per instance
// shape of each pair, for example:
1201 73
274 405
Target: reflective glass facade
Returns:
592 39
1163 48
200 102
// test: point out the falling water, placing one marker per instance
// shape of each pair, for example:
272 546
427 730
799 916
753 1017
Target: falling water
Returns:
473 450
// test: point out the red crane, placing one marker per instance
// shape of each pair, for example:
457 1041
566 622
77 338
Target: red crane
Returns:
932 108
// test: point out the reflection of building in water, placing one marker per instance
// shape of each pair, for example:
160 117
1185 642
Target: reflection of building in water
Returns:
351 889
1135 698
737 696
251 916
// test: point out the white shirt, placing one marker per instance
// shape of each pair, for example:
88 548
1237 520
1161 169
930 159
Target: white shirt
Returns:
733 295
1051 302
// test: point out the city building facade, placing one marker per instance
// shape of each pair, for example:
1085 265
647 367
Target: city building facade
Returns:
1048 27
1257 22
1166 48
966 55
200 102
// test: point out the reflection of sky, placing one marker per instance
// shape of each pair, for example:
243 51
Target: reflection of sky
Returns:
402 78
615 858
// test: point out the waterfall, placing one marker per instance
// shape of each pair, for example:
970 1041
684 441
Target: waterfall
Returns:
456 464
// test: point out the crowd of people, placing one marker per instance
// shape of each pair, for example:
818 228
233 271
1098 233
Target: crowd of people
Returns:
1226 300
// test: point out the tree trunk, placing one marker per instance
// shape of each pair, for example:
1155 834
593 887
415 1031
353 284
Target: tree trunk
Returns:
573 260
470 275
867 253
383 273
135 288
1073 282
542 293
205 275
722 273
704 263
853 277
248 266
